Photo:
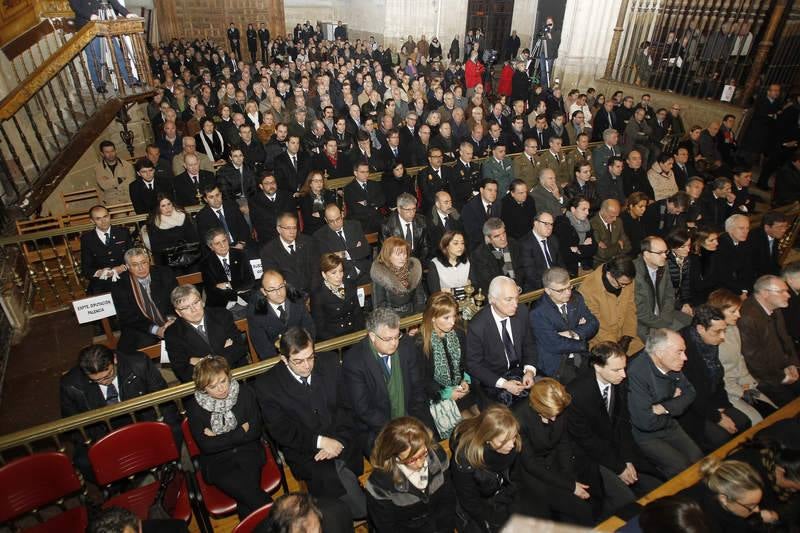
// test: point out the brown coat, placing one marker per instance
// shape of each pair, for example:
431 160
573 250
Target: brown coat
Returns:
526 170
611 240
616 314
766 346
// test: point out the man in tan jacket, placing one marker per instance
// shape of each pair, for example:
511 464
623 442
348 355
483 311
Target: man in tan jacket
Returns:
113 176
526 165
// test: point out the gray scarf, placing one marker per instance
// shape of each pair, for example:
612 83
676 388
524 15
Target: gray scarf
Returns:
505 256
222 418
582 227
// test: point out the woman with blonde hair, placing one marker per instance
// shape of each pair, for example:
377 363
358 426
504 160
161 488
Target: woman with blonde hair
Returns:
443 353
409 489
484 451
396 277
555 477
334 303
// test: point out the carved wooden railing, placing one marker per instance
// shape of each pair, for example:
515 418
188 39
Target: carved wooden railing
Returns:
50 119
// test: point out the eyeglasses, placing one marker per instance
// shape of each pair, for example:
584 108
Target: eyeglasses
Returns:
780 291
390 339
752 508
194 305
274 289
544 223
423 453
562 290
289 228
107 376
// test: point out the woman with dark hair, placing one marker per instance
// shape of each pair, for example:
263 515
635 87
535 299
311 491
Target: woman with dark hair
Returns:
703 268
679 244
168 227
632 223
396 181
673 514
409 489
314 196
484 450
210 142
396 278
450 270
334 303
575 236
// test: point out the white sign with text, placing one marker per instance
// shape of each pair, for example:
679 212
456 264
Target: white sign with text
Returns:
94 308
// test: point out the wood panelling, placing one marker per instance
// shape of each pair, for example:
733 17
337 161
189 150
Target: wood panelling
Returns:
210 18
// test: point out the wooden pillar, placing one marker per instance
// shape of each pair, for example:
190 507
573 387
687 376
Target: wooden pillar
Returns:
778 10
615 39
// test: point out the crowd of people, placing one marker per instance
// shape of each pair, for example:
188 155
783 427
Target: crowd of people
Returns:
683 333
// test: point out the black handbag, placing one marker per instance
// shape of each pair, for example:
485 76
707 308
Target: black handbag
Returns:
182 254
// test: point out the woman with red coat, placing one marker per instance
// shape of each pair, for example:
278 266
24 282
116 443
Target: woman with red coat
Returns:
504 84
473 72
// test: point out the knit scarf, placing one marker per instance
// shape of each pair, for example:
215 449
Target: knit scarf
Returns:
175 220
400 273
504 255
209 144
446 359
222 418
582 227
710 355
143 302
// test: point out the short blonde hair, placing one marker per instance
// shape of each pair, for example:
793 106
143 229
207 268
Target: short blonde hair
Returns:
549 398
207 369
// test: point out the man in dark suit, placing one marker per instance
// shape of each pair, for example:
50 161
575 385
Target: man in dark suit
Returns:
263 38
540 251
716 203
442 218
736 256
599 423
102 251
433 178
364 199
765 240
391 152
227 274
265 205
292 254
189 184
345 238
236 180
604 119
602 154
662 216
407 224
142 300
332 163
292 166
305 409
382 378
199 332
223 214
409 132
501 353
498 255
270 313
144 190
683 168
363 152
478 210
464 176
234 40
103 377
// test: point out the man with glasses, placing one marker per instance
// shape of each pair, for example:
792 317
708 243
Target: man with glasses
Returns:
562 326
407 224
539 251
345 238
270 313
227 275
501 351
292 254
304 409
655 297
199 332
189 145
608 293
382 378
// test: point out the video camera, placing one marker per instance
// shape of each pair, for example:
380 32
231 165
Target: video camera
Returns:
490 56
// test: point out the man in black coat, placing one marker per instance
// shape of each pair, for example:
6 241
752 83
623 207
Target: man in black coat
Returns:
292 254
236 180
145 189
498 255
142 300
501 352
364 199
263 39
363 152
305 409
199 332
735 256
227 274
235 40
540 251
478 210
103 251
442 218
465 176
716 203
382 378
292 166
433 178
683 168
190 183
265 205
270 314
346 238
765 240
407 224
599 424
223 214
662 216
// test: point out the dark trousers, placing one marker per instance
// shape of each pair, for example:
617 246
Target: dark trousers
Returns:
618 494
244 486
715 436
671 449
780 394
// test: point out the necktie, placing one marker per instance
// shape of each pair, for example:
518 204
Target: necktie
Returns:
564 312
112 396
385 359
224 223
445 220
201 329
149 304
294 161
488 210
409 236
149 186
291 249
196 181
304 381
606 396
541 138
282 313
108 238
341 236
227 267
507 343
394 151
547 258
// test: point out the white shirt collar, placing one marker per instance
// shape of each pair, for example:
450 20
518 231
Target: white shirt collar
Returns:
287 244
104 388
102 234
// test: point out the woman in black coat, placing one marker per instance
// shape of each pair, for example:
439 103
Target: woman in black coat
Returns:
679 267
169 226
314 196
334 304
484 450
703 268
575 236
409 489
396 181
555 480
226 425
632 223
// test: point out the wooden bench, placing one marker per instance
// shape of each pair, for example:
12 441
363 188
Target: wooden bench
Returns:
80 201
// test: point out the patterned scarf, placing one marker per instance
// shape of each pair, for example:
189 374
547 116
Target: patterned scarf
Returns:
504 255
145 302
222 418
400 273
446 359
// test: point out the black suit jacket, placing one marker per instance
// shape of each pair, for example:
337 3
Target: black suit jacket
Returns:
429 183
186 193
658 221
736 265
375 159
207 219
533 260
185 342
486 356
289 179
143 200
96 255
474 215
463 182
336 316
436 230
486 267
265 327
242 279
264 213
235 184
301 269
369 215
714 210
341 169
358 248
394 227
766 260
134 325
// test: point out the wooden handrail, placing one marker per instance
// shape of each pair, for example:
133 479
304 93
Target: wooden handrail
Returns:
50 68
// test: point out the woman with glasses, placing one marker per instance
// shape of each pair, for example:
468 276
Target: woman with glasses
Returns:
396 278
679 267
314 196
409 489
730 494
554 477
334 303
485 449
226 425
